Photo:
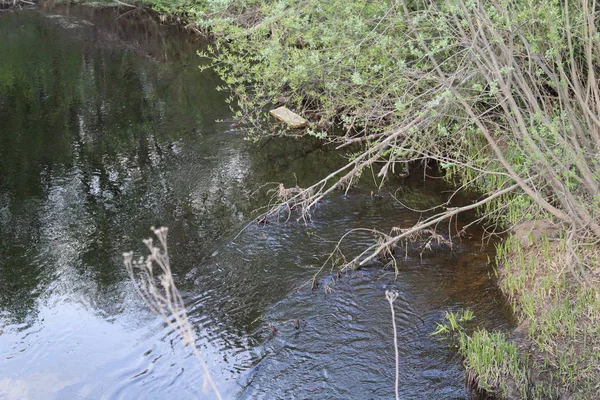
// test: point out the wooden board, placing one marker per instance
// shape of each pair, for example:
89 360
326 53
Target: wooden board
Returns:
292 119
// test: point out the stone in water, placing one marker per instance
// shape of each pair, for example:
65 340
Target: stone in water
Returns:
292 119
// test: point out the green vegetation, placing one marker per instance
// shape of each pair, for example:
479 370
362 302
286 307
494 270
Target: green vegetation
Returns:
492 361
493 364
503 95
559 317
454 322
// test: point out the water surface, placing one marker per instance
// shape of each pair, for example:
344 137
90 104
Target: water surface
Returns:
107 128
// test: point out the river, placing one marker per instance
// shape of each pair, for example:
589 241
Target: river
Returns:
107 127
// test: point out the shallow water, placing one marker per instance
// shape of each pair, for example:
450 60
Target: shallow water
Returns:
108 127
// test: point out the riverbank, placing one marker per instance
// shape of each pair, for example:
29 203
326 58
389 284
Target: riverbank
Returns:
503 101
553 353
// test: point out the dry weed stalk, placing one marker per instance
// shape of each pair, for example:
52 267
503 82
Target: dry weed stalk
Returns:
391 297
156 287
290 199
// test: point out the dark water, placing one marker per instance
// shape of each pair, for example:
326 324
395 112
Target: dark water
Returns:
108 127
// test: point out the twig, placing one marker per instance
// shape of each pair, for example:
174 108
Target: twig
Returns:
124 4
432 221
391 297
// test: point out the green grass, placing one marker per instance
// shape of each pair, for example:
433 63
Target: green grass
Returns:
494 364
559 319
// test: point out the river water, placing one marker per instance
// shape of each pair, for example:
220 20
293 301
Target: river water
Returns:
107 127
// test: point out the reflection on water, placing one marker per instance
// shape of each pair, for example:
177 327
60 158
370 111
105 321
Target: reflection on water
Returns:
108 127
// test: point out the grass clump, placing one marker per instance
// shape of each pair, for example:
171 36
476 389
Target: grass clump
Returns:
492 361
494 365
559 316
454 322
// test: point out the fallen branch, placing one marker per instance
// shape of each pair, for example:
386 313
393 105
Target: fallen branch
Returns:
427 223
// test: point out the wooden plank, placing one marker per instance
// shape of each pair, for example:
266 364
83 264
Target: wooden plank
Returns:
292 119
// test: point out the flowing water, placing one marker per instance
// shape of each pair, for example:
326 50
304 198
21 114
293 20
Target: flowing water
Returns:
108 127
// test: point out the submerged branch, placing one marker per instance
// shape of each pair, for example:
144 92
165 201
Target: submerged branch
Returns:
451 212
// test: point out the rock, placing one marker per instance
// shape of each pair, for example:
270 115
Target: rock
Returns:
535 230
292 119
